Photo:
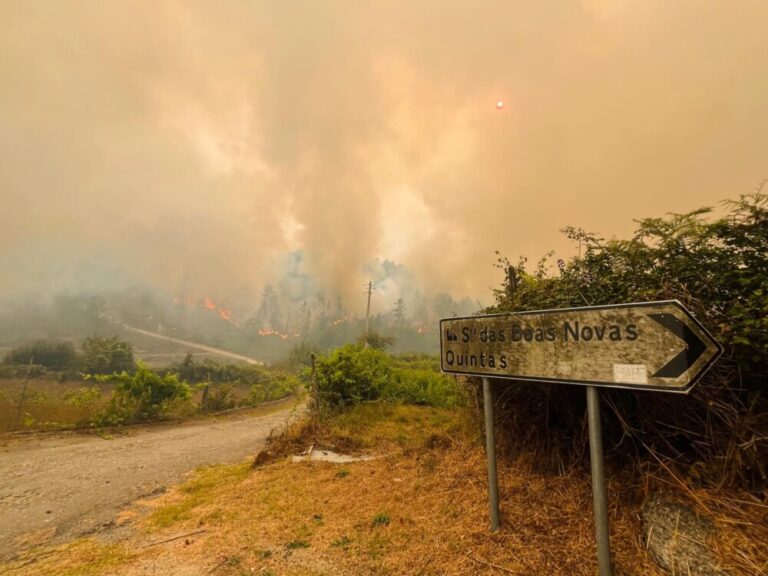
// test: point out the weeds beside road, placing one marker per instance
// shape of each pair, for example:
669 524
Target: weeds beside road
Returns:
48 404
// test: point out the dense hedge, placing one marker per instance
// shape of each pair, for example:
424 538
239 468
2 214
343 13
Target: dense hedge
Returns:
718 268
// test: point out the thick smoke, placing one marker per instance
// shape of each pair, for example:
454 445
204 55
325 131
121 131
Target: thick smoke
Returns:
191 145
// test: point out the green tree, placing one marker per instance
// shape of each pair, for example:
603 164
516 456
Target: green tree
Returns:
398 312
269 312
107 355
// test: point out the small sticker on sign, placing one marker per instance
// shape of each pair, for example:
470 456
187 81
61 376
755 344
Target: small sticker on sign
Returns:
630 374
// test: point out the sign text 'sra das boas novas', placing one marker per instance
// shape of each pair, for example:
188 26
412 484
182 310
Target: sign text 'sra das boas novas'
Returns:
653 346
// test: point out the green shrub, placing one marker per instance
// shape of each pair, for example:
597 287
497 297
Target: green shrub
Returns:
218 398
211 371
418 362
53 354
144 395
265 383
85 397
354 374
426 387
278 385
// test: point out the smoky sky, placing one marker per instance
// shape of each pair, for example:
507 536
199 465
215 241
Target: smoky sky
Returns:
191 145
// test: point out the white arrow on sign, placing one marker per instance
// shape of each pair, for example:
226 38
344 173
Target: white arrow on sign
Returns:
651 346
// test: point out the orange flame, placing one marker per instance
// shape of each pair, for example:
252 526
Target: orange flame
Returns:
281 335
207 304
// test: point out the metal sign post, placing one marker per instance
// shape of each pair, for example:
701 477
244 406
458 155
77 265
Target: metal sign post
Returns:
656 346
490 450
599 494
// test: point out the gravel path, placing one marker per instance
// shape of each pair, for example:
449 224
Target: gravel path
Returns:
64 486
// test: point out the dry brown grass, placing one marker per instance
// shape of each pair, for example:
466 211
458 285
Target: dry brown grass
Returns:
46 405
420 508
742 536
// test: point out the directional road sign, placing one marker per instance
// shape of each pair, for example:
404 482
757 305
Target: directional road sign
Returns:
649 346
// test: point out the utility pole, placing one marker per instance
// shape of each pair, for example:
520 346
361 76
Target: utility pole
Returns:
368 314
23 392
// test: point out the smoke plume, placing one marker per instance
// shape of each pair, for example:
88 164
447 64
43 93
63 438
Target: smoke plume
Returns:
190 146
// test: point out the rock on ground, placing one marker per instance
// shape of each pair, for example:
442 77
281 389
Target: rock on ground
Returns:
676 538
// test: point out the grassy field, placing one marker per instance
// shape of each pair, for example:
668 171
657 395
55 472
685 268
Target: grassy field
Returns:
418 507
52 405
48 404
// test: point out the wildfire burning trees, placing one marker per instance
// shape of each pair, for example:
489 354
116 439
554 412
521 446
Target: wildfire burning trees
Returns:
285 315
282 316
296 306
205 304
276 315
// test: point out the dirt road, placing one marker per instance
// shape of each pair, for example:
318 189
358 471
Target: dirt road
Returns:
195 345
55 488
